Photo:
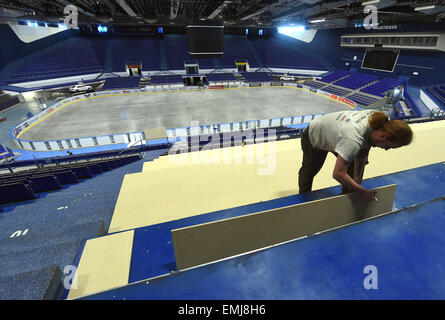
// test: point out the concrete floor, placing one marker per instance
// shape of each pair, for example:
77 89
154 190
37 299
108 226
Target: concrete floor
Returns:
138 112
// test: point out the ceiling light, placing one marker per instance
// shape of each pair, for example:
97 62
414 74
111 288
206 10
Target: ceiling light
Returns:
366 3
317 20
424 8
291 31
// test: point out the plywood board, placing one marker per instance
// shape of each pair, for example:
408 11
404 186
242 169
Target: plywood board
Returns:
105 264
213 241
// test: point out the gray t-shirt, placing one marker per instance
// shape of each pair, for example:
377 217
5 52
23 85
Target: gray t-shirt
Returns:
343 132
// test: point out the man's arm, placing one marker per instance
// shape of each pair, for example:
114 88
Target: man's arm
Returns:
341 175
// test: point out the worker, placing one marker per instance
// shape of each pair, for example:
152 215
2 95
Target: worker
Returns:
349 135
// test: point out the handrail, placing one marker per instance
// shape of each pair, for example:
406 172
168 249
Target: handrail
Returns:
129 147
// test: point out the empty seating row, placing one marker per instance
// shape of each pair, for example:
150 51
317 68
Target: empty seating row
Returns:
410 104
74 56
55 67
144 49
336 75
256 76
362 99
8 101
221 77
56 74
338 91
438 93
26 184
166 79
236 48
30 73
71 53
399 112
379 88
357 80
122 83
314 84
6 154
4 97
285 54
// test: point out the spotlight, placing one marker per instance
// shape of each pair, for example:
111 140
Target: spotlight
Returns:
318 20
293 32
102 29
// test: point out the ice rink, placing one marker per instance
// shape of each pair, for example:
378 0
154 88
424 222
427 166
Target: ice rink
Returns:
116 114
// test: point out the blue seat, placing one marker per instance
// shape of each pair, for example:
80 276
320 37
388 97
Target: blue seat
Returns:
104 166
94 168
80 171
44 183
15 191
112 164
66 177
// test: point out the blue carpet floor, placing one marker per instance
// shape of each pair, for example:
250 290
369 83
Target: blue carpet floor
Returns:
56 223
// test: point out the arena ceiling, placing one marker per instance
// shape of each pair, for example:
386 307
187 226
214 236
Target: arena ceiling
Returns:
236 13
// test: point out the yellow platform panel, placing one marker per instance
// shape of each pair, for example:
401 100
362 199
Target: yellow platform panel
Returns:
105 264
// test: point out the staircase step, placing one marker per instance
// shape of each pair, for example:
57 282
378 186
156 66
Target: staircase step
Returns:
43 284
61 254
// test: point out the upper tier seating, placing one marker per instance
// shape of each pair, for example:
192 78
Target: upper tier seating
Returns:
338 91
256 76
220 77
357 80
131 48
313 84
237 48
166 79
88 55
335 76
438 94
122 83
7 101
283 52
379 88
362 99
72 57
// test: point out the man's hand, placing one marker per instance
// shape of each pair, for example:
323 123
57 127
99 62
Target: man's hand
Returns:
368 195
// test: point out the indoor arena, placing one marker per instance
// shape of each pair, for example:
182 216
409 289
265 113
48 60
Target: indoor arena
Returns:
222 150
